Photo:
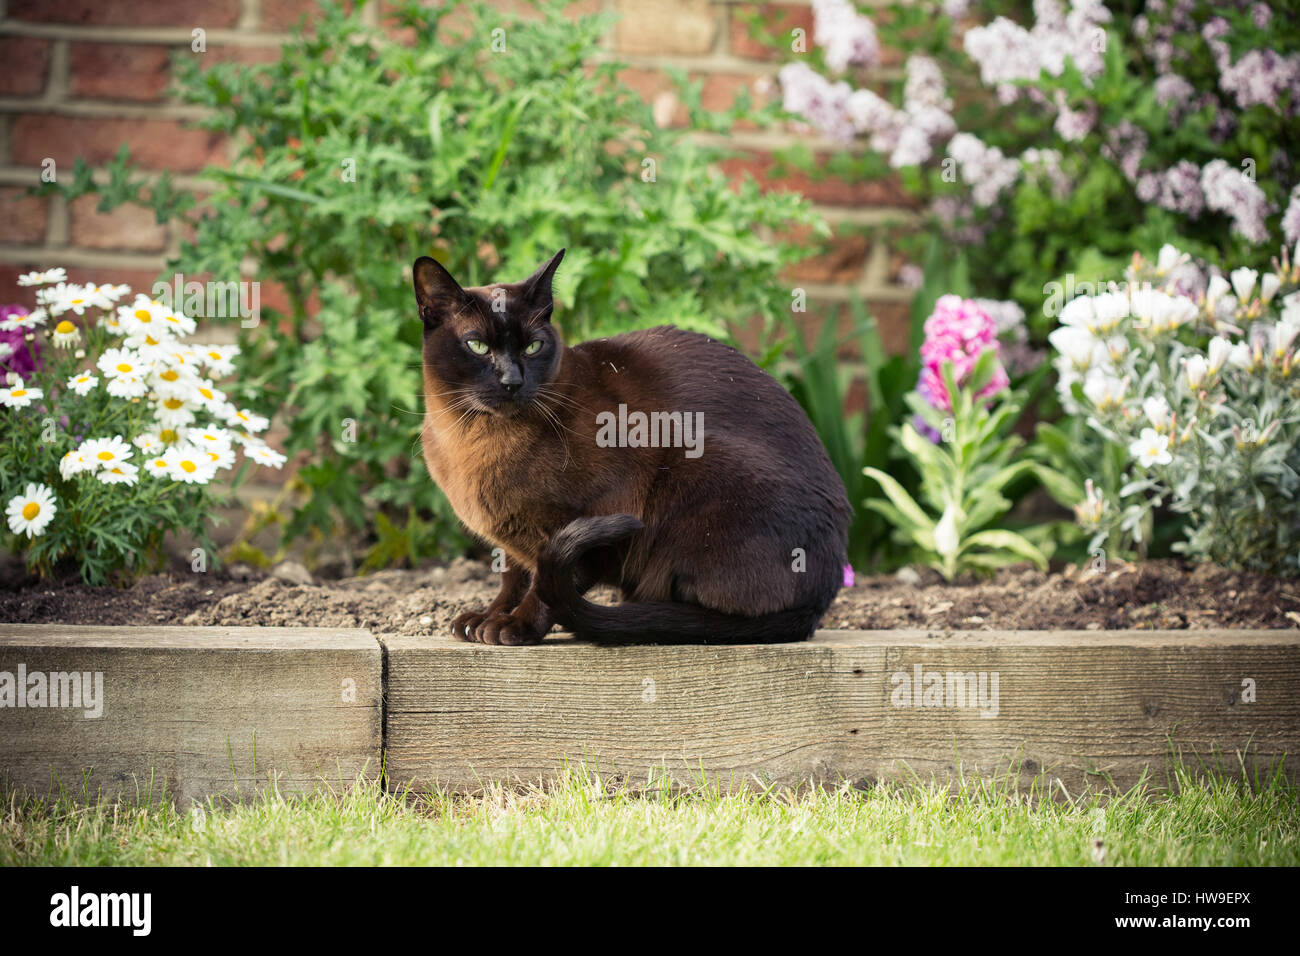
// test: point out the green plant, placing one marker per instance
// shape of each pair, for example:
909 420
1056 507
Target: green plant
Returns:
963 478
1199 399
113 428
486 140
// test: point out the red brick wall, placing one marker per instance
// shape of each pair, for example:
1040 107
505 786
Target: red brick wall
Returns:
83 76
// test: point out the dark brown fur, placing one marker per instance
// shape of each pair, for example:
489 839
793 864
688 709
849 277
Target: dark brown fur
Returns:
708 553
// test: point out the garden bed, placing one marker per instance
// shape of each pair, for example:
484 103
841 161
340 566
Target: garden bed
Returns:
1153 595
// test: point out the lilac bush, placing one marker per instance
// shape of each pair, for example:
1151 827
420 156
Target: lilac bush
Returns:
1056 138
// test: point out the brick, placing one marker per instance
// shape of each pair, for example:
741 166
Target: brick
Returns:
128 228
829 190
284 15
119 71
26 65
839 259
155 144
208 14
665 27
23 222
776 21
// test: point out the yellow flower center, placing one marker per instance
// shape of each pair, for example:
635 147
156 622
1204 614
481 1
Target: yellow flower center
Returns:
64 327
31 510
215 355
214 456
143 315
189 466
105 456
170 375
168 434
150 340
124 367
159 463
173 403
206 393
18 392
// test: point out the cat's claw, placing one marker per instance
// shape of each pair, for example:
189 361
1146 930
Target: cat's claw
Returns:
463 628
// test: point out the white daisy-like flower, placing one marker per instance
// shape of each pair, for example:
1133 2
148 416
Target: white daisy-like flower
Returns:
127 386
83 382
31 511
209 437
66 335
171 382
169 436
264 454
122 473
174 412
116 363
1158 412
101 296
1151 448
219 359
43 278
64 297
19 395
102 452
6 350
243 418
142 315
221 457
26 322
74 463
190 465
154 345
208 395
148 442
158 465
178 323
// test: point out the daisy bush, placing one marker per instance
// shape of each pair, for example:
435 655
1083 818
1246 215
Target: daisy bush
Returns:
115 428
1189 379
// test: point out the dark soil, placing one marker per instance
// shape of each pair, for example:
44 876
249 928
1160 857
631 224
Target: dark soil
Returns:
1156 594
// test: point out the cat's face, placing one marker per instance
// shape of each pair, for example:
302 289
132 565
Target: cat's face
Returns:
489 348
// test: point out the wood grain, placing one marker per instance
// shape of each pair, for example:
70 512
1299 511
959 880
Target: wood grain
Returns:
1087 707
199 711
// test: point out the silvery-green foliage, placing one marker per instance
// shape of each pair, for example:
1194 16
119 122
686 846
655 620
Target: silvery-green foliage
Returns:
1205 396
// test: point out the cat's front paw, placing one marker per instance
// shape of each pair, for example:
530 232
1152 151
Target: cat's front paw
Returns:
514 629
464 627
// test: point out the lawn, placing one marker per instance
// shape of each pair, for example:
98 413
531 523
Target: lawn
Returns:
1200 818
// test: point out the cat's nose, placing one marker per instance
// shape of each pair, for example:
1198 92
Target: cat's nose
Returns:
511 380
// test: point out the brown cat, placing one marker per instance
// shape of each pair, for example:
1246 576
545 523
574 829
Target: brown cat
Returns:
659 461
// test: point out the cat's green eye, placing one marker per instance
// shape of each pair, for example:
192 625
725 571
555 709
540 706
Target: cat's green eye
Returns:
477 346
534 347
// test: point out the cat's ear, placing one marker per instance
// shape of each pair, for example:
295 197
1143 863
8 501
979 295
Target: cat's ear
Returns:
436 292
537 287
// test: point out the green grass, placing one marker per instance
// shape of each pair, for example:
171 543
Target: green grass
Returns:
1201 819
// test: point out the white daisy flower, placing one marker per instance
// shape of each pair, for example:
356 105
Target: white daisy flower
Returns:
26 322
19 395
264 454
169 436
190 465
64 297
154 345
179 324
31 511
221 457
174 412
101 296
219 359
121 473
208 395
159 466
127 386
66 335
148 442
142 315
102 452
1151 448
209 438
74 463
243 418
171 382
116 363
83 382
43 278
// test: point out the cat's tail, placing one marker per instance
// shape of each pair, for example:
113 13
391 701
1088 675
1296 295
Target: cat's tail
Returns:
650 622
